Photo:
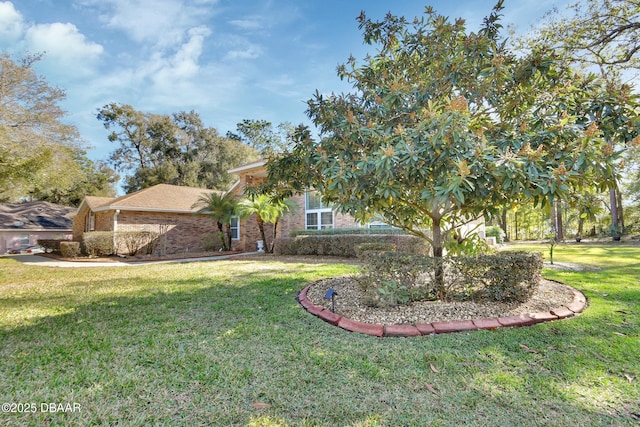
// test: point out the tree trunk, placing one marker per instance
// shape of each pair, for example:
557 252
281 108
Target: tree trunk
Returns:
221 236
559 224
275 235
261 228
437 247
613 199
620 208
227 235
503 224
580 227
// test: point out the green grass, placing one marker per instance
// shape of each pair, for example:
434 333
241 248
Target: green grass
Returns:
201 343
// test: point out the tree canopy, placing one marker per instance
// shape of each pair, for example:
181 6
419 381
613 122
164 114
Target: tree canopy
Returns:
601 36
177 149
444 125
38 151
263 137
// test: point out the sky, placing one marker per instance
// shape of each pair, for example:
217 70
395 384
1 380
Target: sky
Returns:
228 60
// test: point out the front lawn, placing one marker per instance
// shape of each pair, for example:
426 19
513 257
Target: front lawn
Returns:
225 343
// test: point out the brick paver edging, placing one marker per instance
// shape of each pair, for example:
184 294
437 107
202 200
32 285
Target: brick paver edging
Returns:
578 305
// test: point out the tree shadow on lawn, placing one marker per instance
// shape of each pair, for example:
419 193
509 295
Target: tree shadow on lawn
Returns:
196 353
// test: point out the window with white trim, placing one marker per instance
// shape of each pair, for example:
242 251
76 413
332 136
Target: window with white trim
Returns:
234 227
91 225
318 216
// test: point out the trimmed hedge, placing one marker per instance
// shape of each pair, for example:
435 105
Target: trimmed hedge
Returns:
51 245
390 278
345 245
70 249
98 243
136 241
358 230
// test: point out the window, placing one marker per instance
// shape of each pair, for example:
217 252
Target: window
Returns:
234 226
91 224
319 216
378 224
24 240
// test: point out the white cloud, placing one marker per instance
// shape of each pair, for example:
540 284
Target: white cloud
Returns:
241 48
11 23
161 23
254 23
65 46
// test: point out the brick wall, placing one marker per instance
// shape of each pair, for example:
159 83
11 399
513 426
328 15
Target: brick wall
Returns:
294 220
181 232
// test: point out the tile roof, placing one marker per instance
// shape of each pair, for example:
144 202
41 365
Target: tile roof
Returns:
159 198
35 216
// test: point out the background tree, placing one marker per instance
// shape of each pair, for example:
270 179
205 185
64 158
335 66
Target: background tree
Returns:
220 207
37 149
176 149
444 126
602 35
263 137
97 179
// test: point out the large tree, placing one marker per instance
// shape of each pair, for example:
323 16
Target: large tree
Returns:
604 36
444 125
37 149
176 149
263 137
97 179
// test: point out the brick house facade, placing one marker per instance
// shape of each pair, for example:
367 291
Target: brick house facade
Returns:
168 210
300 218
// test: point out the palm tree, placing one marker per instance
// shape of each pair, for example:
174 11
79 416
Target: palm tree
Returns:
267 211
220 207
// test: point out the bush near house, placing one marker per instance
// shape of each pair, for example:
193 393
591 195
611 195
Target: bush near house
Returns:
345 245
70 249
98 243
138 241
51 245
335 231
211 242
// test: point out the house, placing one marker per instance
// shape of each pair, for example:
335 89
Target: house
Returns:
22 224
169 210
310 213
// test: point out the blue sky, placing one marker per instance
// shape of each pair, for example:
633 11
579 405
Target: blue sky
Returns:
228 60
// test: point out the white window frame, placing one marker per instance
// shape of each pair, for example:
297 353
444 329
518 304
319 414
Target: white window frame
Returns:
91 226
379 224
318 213
234 219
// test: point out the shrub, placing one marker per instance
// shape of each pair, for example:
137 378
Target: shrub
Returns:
70 249
98 243
137 240
390 278
495 231
51 245
374 246
211 242
344 245
511 276
351 231
471 245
